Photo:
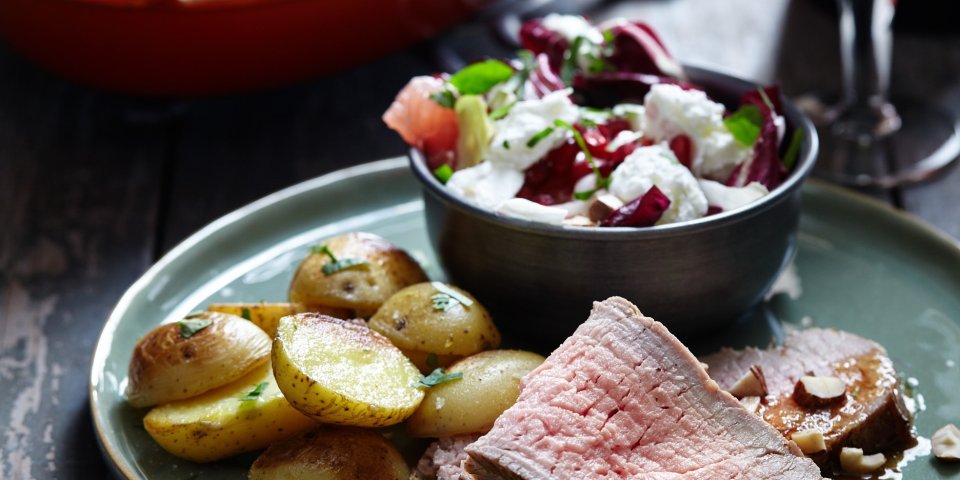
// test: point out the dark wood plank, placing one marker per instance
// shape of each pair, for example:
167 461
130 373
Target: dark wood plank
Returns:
78 194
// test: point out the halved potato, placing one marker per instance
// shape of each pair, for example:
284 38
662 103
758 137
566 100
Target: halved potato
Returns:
245 415
267 315
490 385
340 372
421 320
384 270
183 359
332 453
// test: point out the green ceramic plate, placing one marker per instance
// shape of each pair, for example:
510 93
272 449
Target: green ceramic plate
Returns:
861 267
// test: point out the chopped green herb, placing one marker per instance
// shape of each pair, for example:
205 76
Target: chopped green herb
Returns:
602 182
608 36
436 377
443 173
745 124
445 98
344 264
529 63
586 122
534 140
479 77
447 297
245 313
501 112
855 392
584 195
598 64
569 67
506 145
432 360
255 393
189 328
793 150
335 265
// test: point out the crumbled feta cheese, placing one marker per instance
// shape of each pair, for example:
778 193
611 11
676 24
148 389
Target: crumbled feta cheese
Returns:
729 198
634 113
572 26
622 139
486 185
525 120
657 165
671 111
527 210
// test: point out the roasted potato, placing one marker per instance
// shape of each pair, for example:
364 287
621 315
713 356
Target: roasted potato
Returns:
424 318
267 315
340 372
490 385
184 359
367 271
332 453
245 415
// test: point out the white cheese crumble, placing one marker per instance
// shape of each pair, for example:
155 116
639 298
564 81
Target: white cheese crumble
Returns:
527 210
524 121
657 165
486 185
671 111
572 26
729 198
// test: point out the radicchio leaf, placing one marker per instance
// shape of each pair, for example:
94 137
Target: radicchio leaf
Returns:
541 40
766 167
543 79
606 89
551 180
682 147
641 212
637 48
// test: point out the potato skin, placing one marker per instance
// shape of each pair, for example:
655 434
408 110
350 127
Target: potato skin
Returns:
267 315
490 385
166 367
336 371
409 320
362 290
332 453
219 424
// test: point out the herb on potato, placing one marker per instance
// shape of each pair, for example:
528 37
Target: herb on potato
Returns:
437 377
189 328
447 298
255 393
335 265
245 313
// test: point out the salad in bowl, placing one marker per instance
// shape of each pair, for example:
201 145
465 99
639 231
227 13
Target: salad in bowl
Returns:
594 126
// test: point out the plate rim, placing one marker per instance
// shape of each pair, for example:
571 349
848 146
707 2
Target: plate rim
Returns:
101 350
120 465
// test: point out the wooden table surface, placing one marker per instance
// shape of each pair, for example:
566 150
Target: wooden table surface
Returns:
95 187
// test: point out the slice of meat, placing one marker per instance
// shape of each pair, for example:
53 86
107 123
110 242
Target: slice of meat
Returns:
444 459
872 416
623 399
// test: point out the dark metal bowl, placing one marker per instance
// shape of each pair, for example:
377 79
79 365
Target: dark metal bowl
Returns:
540 280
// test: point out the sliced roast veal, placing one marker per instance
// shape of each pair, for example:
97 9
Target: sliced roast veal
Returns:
623 399
872 416
444 459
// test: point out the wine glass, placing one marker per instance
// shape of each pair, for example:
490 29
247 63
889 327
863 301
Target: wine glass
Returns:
867 141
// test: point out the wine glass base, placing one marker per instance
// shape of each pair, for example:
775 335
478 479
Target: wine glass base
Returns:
925 144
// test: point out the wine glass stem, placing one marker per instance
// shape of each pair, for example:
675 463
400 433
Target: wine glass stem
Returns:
866 42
